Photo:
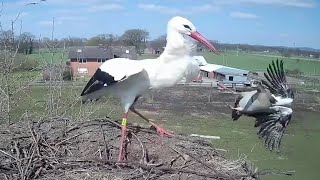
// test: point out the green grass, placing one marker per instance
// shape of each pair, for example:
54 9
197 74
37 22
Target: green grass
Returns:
45 57
300 147
247 61
260 63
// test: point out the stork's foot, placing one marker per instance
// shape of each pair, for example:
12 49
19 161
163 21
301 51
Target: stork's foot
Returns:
161 131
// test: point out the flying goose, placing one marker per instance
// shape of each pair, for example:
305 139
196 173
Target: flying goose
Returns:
269 105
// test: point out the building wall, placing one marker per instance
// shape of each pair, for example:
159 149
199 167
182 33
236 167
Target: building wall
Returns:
84 69
240 79
212 75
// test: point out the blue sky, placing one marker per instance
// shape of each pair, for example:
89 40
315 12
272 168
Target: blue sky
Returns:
266 22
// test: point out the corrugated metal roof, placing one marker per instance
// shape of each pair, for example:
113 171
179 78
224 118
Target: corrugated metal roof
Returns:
210 67
225 70
229 70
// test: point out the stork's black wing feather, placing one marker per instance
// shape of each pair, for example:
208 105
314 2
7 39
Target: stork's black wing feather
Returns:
98 81
272 126
276 79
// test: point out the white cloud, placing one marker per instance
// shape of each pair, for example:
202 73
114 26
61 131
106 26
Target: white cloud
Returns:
204 8
284 35
242 15
105 7
285 3
172 10
72 18
159 8
74 3
49 23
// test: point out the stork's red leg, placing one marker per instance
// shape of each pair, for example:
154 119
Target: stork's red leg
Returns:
122 150
160 130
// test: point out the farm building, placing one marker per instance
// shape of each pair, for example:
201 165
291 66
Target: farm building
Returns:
224 74
84 61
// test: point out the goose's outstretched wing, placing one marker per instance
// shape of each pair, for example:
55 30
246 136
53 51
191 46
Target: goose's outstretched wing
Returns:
273 125
276 80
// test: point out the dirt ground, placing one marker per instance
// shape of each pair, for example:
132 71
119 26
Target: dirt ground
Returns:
206 100
65 149
88 149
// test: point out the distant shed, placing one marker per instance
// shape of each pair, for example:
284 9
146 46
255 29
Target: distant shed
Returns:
225 74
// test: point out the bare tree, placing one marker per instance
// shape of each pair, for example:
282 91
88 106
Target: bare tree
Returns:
73 41
159 43
137 38
8 57
26 41
102 39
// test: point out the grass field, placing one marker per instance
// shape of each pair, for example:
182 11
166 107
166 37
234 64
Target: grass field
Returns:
299 147
254 62
257 62
54 56
300 144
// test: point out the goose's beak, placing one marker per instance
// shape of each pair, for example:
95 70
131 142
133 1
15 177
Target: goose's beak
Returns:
197 36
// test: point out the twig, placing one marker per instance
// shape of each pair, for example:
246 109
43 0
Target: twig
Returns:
65 140
106 149
3 152
144 157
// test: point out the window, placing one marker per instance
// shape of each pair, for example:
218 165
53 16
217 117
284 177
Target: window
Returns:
205 74
83 70
82 61
101 60
230 78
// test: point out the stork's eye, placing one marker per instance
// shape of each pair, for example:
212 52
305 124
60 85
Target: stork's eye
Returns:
186 26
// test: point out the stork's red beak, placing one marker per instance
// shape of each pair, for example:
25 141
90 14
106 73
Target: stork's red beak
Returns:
197 36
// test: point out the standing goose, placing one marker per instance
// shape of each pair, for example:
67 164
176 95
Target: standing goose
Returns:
269 105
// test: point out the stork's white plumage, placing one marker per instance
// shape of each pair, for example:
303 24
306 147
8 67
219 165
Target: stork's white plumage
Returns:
129 79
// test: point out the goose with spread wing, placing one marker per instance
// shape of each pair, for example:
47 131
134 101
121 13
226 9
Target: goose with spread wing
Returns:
269 104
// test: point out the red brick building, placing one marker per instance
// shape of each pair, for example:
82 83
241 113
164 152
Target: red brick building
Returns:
84 61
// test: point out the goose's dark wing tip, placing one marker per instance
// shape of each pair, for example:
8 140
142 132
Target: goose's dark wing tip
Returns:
272 127
276 79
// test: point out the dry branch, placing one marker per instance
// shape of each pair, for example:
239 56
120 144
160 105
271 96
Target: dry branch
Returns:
71 149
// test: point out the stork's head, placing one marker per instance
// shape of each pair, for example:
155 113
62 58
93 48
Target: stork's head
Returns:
184 27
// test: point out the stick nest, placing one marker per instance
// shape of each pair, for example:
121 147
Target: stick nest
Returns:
66 149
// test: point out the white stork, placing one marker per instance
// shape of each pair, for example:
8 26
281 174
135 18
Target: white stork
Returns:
129 79
269 105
